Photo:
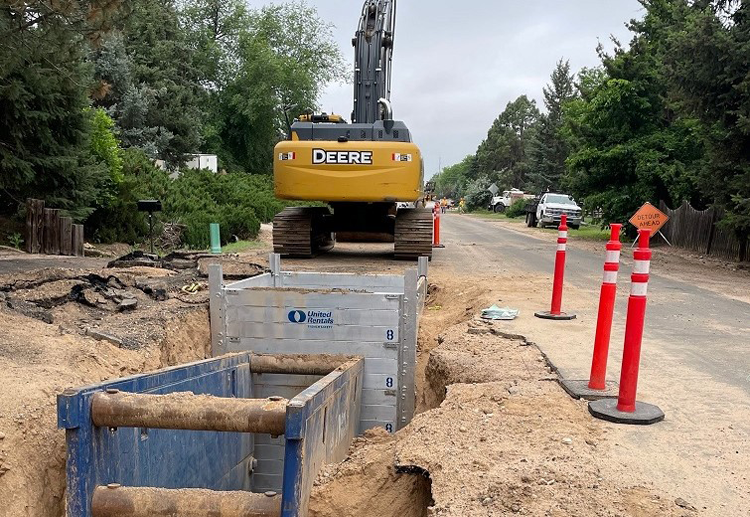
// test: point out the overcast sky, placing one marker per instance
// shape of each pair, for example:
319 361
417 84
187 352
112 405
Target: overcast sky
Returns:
458 63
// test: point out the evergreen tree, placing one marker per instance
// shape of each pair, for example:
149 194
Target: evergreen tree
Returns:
149 84
45 126
716 91
504 155
548 150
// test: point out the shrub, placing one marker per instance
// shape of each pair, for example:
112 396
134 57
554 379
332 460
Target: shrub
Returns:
239 202
198 198
477 195
120 220
518 209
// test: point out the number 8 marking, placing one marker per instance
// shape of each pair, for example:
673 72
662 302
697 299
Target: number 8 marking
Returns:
389 382
389 335
389 428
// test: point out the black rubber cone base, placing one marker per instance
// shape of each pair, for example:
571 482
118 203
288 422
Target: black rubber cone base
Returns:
547 315
438 246
581 390
644 414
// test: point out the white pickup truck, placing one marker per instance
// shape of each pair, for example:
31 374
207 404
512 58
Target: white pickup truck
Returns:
550 209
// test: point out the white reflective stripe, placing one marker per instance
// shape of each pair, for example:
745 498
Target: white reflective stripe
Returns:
564 235
561 247
639 288
610 277
612 256
641 266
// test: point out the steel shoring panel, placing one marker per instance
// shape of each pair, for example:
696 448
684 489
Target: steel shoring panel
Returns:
321 422
156 457
380 326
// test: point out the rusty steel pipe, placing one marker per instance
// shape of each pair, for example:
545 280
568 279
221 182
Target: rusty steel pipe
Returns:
297 364
189 411
117 501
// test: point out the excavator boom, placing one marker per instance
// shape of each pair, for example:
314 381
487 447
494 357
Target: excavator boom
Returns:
373 57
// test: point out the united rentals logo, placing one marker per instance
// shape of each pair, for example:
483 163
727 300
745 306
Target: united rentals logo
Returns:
320 156
297 316
313 319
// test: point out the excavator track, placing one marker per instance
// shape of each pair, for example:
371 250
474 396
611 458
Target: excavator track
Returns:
413 235
301 232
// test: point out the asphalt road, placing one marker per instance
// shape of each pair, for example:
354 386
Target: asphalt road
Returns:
700 328
20 263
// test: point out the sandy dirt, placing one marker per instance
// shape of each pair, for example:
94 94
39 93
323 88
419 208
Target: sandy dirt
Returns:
44 349
502 439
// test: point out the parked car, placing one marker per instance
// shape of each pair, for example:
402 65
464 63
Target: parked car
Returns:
549 209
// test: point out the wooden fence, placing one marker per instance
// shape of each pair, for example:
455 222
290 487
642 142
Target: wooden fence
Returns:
49 233
696 230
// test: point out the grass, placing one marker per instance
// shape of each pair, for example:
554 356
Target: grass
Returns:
587 233
591 233
241 246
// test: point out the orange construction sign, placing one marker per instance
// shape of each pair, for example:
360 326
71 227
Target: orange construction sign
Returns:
648 217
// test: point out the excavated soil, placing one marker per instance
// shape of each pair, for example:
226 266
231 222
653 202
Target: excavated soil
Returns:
47 318
496 436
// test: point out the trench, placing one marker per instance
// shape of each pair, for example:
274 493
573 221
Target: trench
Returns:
377 488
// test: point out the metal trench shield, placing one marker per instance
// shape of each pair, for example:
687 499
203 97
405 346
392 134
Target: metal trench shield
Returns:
321 421
373 316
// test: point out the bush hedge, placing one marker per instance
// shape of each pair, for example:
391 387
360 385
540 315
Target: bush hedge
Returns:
518 209
238 201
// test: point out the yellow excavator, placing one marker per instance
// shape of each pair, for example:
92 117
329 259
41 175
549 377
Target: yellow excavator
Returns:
369 172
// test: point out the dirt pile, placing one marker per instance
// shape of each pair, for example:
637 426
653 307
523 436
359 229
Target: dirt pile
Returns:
502 439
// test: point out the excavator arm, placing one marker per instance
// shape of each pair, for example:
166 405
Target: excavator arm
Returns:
373 57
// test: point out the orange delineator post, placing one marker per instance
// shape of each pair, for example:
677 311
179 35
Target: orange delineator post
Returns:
555 312
436 228
598 377
626 410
